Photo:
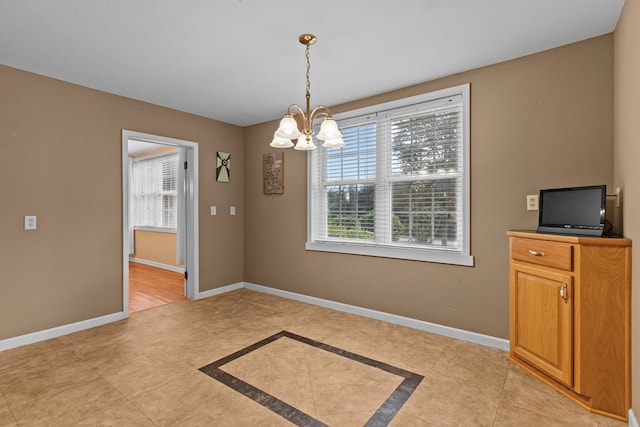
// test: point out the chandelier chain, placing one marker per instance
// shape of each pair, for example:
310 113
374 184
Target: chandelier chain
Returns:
306 54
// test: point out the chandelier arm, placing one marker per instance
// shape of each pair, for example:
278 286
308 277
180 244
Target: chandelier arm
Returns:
295 109
320 111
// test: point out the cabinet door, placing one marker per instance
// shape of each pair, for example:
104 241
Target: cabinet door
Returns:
541 304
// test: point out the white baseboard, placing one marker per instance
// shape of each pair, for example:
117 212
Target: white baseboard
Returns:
158 265
633 421
447 331
34 337
220 290
461 334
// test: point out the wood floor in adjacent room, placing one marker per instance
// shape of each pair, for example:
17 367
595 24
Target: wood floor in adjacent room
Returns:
151 286
250 359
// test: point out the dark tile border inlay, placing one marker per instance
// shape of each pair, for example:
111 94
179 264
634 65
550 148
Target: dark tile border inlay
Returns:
382 416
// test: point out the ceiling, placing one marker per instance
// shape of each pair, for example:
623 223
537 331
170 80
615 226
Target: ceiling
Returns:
239 61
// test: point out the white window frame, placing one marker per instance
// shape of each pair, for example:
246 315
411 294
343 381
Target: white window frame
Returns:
463 257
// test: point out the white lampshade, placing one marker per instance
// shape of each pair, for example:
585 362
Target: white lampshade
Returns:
288 128
333 143
305 145
280 142
329 130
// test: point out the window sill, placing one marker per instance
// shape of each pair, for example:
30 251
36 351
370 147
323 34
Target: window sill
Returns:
156 229
414 254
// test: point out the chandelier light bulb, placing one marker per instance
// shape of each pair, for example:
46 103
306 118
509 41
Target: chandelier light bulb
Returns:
278 142
288 128
329 130
333 143
305 143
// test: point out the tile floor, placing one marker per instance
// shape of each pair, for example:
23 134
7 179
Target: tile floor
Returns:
145 371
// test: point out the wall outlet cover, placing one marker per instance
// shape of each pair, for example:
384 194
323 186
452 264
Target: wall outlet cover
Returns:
30 222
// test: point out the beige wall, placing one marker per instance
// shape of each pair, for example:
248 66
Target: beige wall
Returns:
626 155
540 121
156 246
61 160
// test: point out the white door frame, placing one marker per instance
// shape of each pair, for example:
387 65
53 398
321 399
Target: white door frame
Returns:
192 265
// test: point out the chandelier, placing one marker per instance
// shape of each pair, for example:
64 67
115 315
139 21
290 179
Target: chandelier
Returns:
288 129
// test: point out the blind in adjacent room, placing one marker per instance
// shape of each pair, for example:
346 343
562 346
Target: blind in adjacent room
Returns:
154 188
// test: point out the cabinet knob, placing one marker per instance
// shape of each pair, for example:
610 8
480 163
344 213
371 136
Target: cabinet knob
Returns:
536 253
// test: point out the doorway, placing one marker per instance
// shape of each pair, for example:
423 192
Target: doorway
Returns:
186 224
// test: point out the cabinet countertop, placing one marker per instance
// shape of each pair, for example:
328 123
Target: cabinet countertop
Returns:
582 240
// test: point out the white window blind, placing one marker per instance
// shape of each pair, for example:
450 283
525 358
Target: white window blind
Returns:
399 187
154 187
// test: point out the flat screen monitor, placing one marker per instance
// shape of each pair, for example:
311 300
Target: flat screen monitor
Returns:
573 210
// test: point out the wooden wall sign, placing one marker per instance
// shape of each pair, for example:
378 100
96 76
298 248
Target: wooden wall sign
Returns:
273 173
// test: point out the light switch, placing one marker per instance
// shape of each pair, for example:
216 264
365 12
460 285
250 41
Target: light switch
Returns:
232 210
30 222
213 210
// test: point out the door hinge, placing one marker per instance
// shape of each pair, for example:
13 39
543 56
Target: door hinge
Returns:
186 276
185 165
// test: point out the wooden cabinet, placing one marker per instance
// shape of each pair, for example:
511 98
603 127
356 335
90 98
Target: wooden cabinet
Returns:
570 316
544 321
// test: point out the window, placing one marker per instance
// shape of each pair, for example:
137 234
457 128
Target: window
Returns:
400 186
154 188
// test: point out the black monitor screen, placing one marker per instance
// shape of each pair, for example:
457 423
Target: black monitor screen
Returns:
573 209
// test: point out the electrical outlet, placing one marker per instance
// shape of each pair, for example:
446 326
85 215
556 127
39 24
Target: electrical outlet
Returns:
30 222
532 202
